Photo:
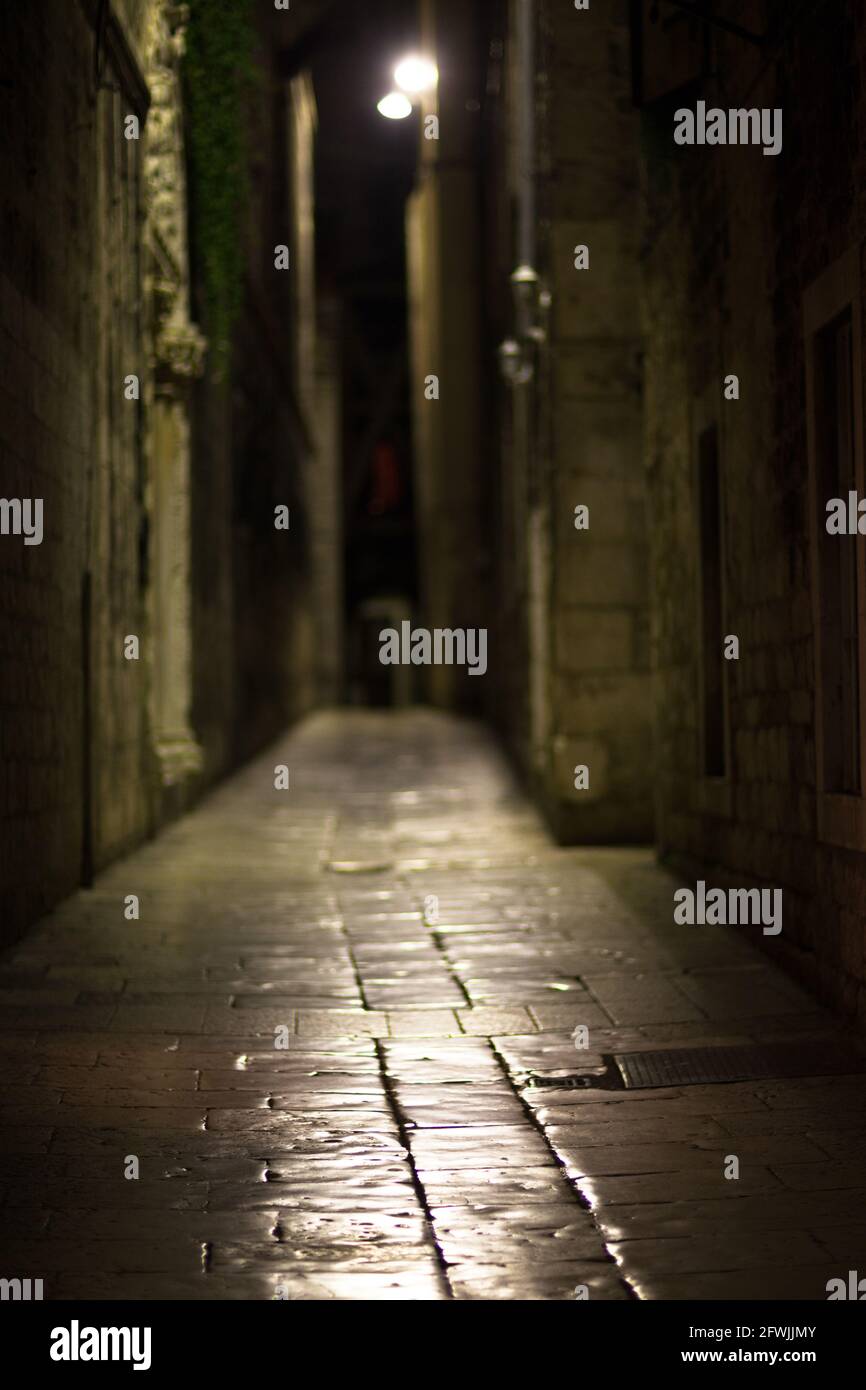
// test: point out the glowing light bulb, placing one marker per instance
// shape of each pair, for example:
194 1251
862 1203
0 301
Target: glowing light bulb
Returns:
416 74
395 107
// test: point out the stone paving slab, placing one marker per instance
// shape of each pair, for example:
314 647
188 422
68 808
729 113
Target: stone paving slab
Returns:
319 1040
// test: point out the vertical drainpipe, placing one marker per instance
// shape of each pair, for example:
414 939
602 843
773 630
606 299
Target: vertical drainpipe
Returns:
531 502
525 277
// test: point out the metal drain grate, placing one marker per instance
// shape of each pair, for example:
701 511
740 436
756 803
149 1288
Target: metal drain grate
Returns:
694 1066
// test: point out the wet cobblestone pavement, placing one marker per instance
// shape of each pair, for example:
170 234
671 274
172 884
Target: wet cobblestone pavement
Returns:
403 914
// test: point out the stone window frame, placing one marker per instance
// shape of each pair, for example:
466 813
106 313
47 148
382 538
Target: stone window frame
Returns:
713 796
841 816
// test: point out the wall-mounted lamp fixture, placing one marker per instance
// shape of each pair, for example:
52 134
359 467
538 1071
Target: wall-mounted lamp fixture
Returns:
414 75
514 364
532 304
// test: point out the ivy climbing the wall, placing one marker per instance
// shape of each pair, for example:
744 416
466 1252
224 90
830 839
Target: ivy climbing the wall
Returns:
218 70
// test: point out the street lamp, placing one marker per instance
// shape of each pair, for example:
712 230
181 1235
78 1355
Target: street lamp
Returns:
416 74
395 107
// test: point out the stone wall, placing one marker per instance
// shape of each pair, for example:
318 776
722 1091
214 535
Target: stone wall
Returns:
574 602
271 438
158 504
444 269
733 243
70 301
599 675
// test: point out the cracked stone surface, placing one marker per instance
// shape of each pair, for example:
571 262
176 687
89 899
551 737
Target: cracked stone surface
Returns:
403 923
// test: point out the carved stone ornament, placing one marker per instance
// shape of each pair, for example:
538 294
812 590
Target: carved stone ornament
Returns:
179 347
180 351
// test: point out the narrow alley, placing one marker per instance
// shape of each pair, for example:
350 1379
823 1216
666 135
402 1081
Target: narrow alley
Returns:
432 675
318 1041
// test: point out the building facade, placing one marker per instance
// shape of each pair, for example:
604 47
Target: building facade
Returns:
162 628
677 640
753 422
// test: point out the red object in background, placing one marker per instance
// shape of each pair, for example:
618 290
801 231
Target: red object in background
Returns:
387 483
